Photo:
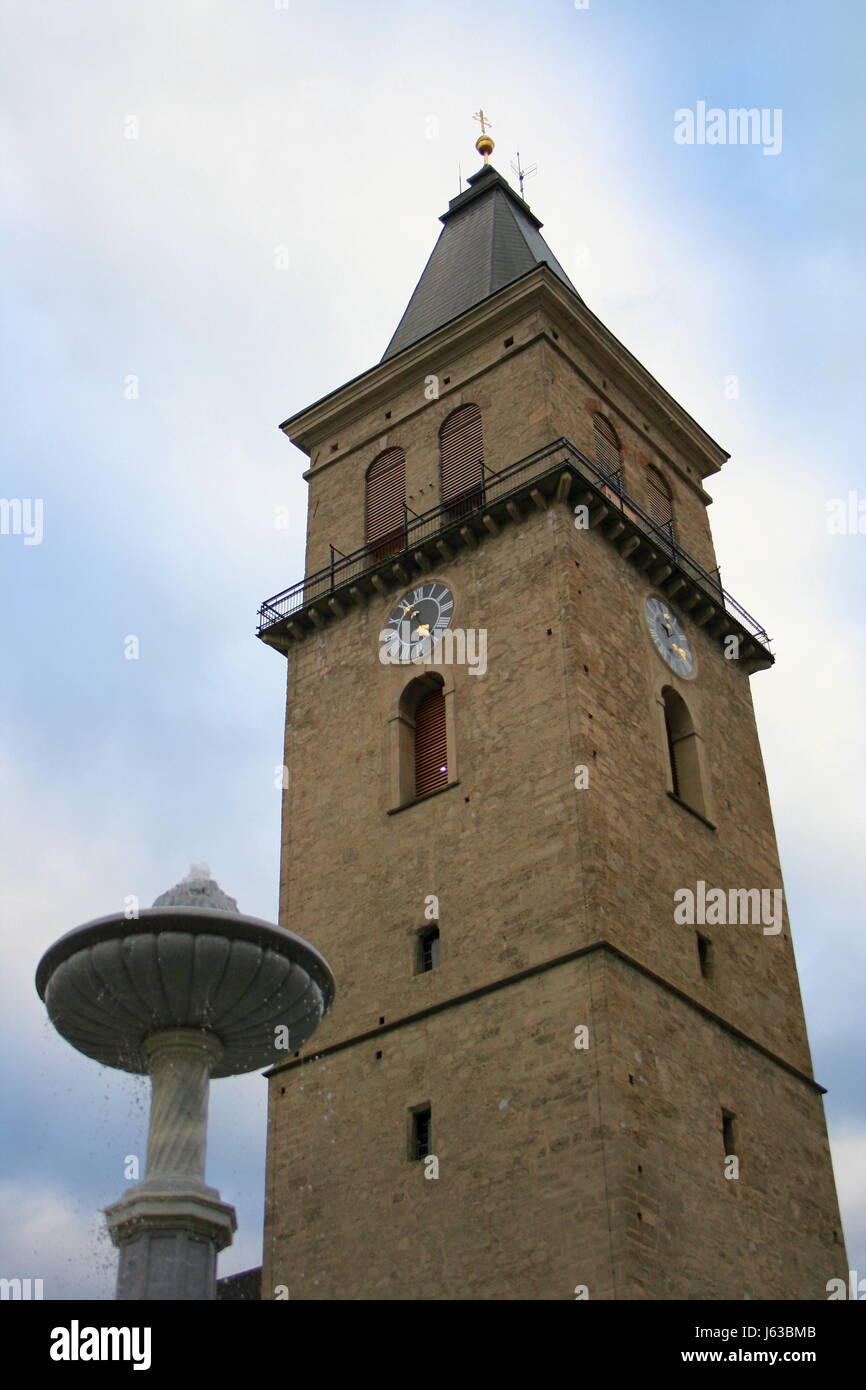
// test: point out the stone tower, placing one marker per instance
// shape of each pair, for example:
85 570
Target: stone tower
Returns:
567 1056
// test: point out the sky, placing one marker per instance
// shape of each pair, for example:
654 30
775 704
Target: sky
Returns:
215 213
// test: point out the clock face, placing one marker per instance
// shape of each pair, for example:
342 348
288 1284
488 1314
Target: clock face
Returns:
418 617
669 637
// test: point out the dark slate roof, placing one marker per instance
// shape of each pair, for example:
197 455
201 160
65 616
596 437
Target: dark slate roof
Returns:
489 238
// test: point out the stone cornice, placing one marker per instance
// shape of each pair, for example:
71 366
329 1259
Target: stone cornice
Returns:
538 289
493 986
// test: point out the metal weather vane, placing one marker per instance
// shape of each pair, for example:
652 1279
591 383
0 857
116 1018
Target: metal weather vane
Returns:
523 174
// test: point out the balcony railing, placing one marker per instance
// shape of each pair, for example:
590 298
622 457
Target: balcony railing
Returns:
545 464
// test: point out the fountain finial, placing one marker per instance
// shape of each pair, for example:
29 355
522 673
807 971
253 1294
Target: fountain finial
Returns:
198 889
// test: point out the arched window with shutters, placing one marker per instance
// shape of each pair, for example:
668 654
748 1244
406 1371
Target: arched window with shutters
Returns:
386 503
608 450
661 505
461 460
421 741
683 753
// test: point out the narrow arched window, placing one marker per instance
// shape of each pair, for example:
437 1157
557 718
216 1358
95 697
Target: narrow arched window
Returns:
422 757
683 756
386 503
461 460
661 506
608 449
431 743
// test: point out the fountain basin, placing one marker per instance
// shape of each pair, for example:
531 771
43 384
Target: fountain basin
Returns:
112 983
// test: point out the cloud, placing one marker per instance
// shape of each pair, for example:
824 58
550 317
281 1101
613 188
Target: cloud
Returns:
49 1234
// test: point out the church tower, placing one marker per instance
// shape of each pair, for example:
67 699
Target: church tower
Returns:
526 821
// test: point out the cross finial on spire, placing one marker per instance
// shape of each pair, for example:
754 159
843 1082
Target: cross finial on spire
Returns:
484 143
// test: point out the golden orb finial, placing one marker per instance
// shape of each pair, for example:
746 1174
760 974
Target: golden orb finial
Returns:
484 144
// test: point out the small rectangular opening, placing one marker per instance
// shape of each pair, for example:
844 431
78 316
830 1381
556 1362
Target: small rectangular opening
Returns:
421 1135
729 1135
705 955
428 950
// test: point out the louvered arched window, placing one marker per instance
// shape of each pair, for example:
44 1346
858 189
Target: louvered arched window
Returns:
661 506
461 460
386 503
683 751
431 743
607 446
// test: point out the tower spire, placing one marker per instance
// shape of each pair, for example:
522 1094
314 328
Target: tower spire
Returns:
489 239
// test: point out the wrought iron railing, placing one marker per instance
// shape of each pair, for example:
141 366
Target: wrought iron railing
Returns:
418 528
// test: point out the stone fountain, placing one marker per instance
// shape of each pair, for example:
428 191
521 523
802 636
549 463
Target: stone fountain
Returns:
188 990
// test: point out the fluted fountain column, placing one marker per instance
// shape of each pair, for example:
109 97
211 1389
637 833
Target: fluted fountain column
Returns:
180 1066
171 1227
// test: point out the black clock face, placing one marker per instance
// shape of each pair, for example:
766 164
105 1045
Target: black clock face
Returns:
418 617
669 637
